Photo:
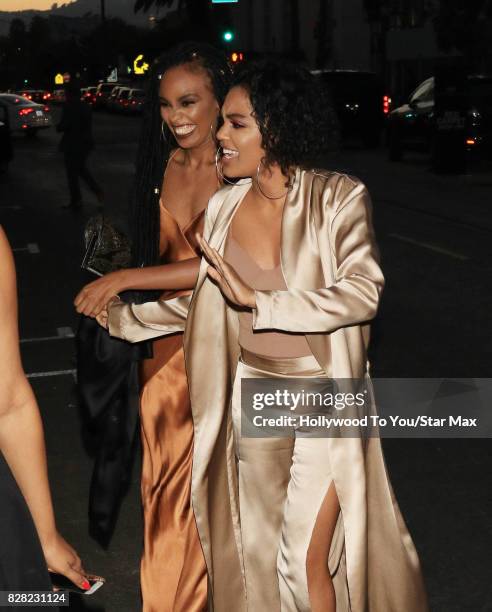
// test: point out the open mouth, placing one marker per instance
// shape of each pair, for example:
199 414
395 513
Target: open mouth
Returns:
184 130
228 154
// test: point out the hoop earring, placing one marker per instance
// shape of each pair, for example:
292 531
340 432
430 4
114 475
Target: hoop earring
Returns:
220 174
261 190
163 133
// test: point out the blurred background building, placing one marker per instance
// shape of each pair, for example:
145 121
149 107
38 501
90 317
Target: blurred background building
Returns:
400 40
328 33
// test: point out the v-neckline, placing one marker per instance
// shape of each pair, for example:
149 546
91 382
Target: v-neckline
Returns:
231 237
238 245
187 225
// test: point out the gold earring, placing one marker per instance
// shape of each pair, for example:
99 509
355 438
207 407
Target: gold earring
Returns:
261 190
220 174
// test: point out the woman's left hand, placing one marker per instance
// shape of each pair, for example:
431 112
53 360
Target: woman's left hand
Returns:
61 558
230 283
94 297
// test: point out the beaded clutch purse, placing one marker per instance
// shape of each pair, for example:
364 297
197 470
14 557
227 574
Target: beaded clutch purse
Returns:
107 249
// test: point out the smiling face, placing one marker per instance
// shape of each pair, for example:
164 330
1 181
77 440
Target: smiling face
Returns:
188 105
239 137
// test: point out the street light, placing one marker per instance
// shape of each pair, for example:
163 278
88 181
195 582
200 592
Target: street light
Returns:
228 36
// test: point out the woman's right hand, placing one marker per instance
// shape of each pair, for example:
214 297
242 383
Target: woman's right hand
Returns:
94 297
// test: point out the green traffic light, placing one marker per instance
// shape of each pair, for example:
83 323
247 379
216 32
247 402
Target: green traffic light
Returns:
228 36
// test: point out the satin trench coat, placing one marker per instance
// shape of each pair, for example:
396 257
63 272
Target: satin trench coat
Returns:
329 259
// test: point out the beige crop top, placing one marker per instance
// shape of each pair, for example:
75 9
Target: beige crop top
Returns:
265 343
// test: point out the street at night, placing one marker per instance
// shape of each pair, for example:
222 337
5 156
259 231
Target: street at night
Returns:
227 220
434 233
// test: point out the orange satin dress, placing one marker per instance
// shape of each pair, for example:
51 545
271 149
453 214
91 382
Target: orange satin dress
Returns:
173 572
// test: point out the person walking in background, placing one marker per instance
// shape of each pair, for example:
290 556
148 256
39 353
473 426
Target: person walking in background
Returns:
76 144
30 542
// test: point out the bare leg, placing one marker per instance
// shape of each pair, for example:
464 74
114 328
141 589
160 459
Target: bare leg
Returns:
320 586
310 517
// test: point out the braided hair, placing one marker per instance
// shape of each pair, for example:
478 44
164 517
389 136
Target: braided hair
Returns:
156 142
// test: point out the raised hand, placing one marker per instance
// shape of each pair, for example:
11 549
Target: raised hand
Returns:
228 280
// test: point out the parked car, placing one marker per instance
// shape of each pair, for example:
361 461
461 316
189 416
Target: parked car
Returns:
40 96
26 116
111 101
360 101
136 101
103 92
121 102
6 151
112 97
88 95
412 125
58 96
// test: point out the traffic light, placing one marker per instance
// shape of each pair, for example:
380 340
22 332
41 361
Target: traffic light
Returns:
228 36
237 56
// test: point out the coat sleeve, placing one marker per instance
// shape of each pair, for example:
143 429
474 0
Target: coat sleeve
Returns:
137 322
354 296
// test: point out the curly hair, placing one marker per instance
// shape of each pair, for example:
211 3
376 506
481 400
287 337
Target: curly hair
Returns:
293 111
154 149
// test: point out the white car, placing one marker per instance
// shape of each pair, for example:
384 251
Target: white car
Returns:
26 116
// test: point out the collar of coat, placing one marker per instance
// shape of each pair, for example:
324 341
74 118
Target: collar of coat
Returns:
312 203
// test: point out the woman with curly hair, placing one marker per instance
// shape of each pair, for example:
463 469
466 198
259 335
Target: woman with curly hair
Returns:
287 287
176 175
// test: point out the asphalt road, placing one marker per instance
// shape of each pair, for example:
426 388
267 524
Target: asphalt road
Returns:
435 235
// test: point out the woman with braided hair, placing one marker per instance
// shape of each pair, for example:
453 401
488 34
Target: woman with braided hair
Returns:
176 176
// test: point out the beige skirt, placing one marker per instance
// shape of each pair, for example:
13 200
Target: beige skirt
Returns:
282 484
